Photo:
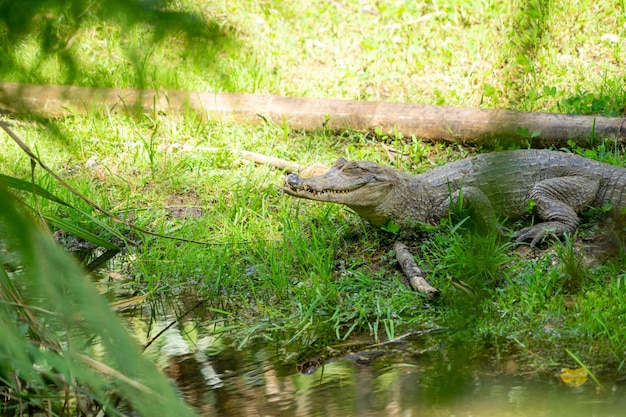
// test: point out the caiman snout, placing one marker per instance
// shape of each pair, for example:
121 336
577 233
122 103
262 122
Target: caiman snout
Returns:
293 181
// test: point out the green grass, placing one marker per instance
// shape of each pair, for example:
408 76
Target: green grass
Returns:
298 271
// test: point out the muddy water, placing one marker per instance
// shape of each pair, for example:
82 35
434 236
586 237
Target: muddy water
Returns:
344 388
418 376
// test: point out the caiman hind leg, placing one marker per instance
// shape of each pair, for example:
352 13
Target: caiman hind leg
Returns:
558 202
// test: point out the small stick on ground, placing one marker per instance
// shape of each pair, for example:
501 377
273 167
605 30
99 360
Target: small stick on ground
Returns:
413 273
285 165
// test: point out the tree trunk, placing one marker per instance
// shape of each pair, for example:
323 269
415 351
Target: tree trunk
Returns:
431 123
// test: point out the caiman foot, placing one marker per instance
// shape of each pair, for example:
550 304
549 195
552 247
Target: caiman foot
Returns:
538 232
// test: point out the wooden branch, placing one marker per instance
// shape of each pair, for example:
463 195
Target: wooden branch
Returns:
287 166
435 123
259 158
413 273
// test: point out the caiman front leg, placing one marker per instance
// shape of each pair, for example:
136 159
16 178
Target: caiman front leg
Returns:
476 200
557 202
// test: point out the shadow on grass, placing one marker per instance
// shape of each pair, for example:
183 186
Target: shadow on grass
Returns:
528 28
54 25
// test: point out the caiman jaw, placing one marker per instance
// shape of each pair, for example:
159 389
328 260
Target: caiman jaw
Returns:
294 186
362 192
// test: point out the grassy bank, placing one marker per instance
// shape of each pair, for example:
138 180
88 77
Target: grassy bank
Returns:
296 270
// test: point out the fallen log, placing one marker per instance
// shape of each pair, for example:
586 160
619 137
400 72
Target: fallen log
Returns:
431 123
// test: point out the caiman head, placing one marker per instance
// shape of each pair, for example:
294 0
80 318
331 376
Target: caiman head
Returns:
375 192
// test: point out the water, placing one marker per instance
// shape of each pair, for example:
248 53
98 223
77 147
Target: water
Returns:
253 384
418 376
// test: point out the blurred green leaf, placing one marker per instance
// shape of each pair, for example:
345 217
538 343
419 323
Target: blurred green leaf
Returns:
28 186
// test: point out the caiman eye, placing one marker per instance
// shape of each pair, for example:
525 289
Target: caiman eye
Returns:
352 170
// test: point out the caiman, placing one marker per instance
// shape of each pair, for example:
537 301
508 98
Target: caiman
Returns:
556 186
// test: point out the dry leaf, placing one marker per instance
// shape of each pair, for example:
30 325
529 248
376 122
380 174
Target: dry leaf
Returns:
574 377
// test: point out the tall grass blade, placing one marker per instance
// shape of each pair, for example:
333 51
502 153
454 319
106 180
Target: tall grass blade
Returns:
28 186
78 231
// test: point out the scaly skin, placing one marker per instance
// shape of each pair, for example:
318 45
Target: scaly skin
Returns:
561 185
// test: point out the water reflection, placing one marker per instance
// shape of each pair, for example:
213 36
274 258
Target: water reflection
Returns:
422 376
345 388
219 380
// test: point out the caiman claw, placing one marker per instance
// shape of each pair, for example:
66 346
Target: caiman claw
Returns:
538 232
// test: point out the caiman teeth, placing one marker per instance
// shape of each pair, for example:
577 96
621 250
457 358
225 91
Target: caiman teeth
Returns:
308 189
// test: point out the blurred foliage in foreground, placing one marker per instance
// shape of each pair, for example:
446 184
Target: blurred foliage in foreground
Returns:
62 350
